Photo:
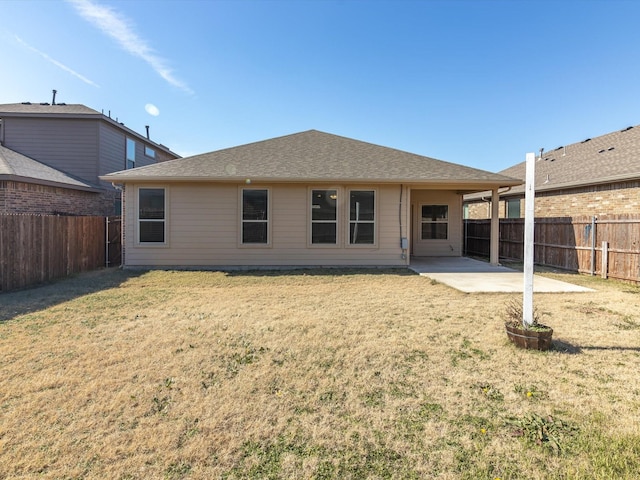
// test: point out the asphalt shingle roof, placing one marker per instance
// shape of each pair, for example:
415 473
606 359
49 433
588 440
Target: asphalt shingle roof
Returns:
609 158
18 167
40 108
312 156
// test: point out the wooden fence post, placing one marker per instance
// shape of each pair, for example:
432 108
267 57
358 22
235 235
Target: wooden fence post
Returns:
605 259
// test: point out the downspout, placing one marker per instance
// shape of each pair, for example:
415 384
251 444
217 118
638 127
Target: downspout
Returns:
403 240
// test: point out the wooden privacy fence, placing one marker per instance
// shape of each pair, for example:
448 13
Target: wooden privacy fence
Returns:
607 245
39 248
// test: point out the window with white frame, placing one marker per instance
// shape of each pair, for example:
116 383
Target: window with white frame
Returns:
255 216
131 153
434 222
361 217
324 217
151 215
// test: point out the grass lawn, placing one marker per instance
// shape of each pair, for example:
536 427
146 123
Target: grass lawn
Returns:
317 374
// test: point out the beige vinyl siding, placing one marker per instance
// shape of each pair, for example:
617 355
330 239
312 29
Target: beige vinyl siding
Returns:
204 221
452 246
69 145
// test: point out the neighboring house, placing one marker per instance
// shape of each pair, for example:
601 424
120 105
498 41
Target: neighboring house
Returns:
307 199
52 155
597 176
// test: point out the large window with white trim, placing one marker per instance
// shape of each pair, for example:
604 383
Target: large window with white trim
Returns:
434 222
255 216
324 217
362 217
151 215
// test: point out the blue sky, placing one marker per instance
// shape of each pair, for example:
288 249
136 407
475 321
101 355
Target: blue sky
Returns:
474 82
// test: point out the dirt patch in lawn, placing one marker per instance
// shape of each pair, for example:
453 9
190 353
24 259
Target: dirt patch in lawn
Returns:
312 374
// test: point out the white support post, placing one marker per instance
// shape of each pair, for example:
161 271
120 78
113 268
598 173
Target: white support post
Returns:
529 213
494 241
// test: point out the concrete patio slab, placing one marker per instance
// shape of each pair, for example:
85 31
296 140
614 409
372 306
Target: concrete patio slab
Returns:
469 275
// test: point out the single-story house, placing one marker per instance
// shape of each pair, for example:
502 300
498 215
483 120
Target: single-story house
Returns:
596 176
306 199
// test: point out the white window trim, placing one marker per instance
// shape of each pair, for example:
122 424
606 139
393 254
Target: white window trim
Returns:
447 222
338 222
348 218
241 221
166 217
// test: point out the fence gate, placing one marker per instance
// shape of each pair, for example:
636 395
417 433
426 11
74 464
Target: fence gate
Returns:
113 252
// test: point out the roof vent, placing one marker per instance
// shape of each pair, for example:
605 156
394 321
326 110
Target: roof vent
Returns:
44 103
602 151
585 141
61 103
26 103
610 148
626 129
559 147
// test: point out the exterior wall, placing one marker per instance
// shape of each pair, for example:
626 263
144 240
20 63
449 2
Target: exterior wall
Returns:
609 199
70 145
112 150
452 246
203 221
19 197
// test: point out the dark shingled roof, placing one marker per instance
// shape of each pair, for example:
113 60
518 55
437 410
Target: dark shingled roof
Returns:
20 168
614 157
312 156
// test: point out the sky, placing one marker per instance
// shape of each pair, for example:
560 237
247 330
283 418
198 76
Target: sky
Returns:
475 82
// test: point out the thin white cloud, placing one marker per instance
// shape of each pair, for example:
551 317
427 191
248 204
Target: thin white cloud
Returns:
120 28
57 63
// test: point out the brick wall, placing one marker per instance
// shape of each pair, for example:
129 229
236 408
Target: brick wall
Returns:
19 197
609 199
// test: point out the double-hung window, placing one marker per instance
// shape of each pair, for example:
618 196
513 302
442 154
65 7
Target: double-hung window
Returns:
255 216
151 215
435 222
324 217
361 217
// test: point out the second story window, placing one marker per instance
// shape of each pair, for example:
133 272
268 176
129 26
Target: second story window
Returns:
149 152
131 153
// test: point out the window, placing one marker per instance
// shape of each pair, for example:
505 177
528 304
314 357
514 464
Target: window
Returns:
361 217
151 215
435 222
324 220
131 153
513 208
149 152
255 216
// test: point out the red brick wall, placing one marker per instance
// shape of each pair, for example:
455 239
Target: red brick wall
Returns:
609 199
19 197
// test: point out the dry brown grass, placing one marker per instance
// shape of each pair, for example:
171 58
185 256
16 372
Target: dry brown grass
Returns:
317 374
